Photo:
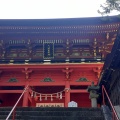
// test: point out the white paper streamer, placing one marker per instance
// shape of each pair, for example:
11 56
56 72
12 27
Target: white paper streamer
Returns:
45 97
57 95
35 94
40 97
51 98
32 94
61 95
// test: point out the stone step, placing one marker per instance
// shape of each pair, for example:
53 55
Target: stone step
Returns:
53 118
58 113
65 118
33 113
49 109
3 117
4 112
12 119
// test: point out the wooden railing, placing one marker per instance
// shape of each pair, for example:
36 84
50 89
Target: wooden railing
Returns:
115 116
14 107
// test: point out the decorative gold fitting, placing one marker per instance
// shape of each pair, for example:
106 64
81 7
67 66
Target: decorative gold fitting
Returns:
11 60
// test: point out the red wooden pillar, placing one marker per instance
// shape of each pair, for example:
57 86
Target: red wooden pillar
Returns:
26 94
67 93
25 98
67 72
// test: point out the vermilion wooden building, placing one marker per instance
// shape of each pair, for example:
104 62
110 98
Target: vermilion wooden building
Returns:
57 58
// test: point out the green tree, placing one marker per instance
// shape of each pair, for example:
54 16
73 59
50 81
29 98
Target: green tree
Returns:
109 6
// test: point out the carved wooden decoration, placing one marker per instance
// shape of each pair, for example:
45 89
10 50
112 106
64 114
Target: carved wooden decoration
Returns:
47 79
97 70
67 72
12 80
82 79
27 73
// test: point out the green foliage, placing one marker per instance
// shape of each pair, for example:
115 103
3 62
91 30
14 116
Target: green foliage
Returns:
109 6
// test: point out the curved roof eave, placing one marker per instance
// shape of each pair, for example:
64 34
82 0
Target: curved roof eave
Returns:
59 22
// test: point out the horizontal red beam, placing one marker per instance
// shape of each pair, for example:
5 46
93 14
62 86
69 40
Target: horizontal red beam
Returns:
13 84
48 84
49 65
34 84
11 91
78 91
82 83
20 91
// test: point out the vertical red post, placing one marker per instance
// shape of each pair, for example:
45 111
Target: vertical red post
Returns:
13 118
67 93
25 97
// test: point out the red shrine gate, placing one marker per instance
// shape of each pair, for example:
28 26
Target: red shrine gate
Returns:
75 48
48 83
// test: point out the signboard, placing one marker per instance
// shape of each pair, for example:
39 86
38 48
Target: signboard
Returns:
72 104
49 104
48 50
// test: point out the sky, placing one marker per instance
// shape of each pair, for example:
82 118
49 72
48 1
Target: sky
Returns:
48 9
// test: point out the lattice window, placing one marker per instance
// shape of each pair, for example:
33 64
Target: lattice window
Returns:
12 42
82 41
86 54
23 54
51 41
